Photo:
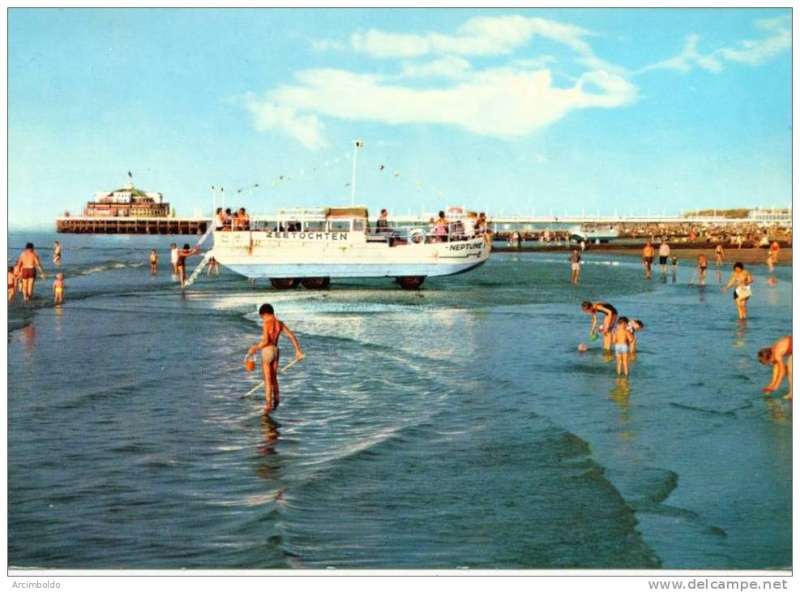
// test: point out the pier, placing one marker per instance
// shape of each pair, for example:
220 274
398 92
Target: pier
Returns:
502 226
131 225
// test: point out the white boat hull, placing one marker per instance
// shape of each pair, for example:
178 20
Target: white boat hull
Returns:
298 255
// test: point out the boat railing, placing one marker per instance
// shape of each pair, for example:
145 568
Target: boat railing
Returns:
395 235
421 234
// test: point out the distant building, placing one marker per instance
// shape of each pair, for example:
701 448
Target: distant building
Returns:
127 202
781 216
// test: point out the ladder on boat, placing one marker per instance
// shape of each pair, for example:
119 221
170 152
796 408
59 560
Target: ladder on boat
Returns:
203 238
199 269
206 258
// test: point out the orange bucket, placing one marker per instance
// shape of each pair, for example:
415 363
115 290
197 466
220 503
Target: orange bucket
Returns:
250 363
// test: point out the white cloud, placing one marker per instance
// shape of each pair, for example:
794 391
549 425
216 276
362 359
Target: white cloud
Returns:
447 67
328 45
757 52
480 36
687 59
269 116
500 103
779 39
435 83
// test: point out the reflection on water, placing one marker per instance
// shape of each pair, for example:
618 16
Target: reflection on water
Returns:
620 394
780 409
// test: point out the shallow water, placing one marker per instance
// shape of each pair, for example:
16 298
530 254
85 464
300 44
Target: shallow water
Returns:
454 427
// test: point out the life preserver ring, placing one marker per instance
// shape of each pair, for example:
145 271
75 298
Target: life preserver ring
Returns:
416 236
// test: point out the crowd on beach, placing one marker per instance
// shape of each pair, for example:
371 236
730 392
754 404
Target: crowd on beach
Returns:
739 235
687 234
619 332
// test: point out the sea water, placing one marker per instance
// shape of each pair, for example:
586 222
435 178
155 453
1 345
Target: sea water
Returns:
454 427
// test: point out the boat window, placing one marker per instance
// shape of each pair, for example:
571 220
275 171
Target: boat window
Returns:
358 225
339 225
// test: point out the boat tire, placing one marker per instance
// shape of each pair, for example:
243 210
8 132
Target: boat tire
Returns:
416 236
316 283
284 283
410 282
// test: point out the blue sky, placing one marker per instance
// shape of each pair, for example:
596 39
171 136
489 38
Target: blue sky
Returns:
512 111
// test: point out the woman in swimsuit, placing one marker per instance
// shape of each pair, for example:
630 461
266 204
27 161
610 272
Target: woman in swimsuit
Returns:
647 259
742 279
608 322
185 252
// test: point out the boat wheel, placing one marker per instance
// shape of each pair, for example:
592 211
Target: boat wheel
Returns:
410 282
284 283
316 283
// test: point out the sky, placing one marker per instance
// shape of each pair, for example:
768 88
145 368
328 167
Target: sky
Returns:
513 111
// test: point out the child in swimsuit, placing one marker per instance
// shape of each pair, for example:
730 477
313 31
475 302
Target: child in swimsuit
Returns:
622 344
58 289
12 283
634 326
270 354
702 265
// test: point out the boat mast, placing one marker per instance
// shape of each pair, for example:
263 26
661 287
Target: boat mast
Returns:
358 144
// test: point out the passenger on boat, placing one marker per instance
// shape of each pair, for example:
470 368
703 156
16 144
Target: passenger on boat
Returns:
480 224
241 221
457 230
382 225
219 219
469 224
227 220
440 227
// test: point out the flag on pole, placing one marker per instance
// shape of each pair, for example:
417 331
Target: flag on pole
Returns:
359 144
130 174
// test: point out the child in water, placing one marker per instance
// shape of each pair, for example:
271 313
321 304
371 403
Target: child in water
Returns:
270 354
634 326
702 267
58 289
622 342
12 283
